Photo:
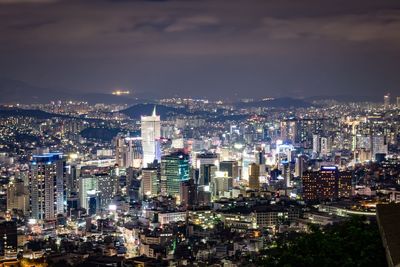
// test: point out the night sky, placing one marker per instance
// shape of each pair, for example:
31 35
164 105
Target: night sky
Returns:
210 48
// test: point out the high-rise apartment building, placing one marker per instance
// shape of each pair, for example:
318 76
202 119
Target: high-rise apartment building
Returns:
47 176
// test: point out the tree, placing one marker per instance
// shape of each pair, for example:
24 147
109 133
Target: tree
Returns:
351 243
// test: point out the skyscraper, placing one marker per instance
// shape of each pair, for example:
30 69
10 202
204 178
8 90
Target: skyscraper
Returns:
47 173
150 126
174 170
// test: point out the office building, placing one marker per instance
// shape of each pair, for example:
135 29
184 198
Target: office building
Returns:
327 184
174 170
150 133
188 193
231 167
254 176
108 188
221 185
150 181
379 145
128 151
88 193
345 189
207 173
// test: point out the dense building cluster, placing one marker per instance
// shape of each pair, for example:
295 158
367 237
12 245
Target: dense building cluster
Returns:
191 182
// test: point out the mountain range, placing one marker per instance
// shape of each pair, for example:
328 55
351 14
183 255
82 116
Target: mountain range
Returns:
15 91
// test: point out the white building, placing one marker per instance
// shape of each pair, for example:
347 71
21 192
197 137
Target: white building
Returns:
150 126
170 217
88 186
128 151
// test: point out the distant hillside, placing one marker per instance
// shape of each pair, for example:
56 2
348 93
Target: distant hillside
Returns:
285 102
346 98
222 118
14 91
94 98
136 111
105 134
39 114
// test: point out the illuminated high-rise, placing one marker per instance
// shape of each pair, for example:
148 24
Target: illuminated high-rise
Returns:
88 193
174 170
150 127
47 173
327 184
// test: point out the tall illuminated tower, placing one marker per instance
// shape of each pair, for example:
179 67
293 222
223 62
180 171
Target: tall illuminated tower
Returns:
151 138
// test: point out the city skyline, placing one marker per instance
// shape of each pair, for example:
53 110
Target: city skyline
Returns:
219 133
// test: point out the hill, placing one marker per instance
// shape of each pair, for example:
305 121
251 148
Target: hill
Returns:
136 111
35 113
284 102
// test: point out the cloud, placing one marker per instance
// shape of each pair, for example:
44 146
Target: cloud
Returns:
192 23
356 27
27 1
